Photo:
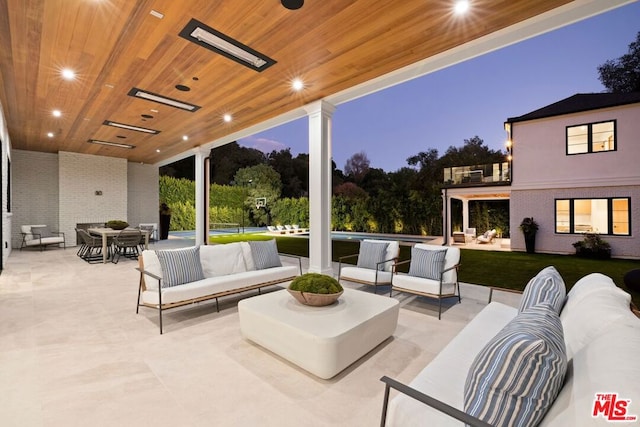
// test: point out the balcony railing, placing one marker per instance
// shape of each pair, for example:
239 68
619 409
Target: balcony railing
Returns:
489 174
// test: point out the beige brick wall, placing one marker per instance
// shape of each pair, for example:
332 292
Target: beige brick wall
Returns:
35 191
80 176
540 204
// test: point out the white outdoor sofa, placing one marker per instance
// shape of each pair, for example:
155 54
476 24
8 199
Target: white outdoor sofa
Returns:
601 342
40 236
178 277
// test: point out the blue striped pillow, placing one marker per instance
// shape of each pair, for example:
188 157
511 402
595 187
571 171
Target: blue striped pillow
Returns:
426 263
546 286
265 254
180 266
516 377
371 253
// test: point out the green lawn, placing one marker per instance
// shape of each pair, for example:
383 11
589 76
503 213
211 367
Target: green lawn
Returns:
492 268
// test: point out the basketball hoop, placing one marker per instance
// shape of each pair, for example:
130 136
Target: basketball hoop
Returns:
261 202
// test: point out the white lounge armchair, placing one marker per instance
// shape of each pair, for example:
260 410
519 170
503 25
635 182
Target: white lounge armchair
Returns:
375 263
470 234
487 237
40 236
433 273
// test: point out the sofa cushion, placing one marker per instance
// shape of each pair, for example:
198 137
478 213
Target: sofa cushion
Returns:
452 258
518 374
595 308
371 253
180 266
427 263
393 251
220 260
546 286
265 254
365 275
41 231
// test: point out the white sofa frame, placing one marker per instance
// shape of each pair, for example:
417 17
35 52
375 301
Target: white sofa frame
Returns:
161 307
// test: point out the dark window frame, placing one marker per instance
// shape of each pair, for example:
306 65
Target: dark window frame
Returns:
609 215
590 137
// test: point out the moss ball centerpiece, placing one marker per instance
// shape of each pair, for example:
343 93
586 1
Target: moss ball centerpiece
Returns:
116 224
315 289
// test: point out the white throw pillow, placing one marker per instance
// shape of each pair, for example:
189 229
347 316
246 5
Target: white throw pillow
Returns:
221 260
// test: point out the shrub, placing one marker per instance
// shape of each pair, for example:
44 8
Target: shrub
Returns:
592 246
315 283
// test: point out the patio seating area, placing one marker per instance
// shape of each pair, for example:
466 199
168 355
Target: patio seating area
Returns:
72 341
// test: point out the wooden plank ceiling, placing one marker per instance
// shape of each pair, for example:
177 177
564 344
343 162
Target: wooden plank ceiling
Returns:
116 45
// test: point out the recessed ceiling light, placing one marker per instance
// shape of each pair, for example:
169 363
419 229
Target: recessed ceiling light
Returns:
56 113
68 74
50 134
461 7
183 88
227 118
292 4
297 85
185 137
157 150
156 14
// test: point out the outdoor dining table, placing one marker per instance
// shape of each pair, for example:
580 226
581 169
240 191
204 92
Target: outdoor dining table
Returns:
110 232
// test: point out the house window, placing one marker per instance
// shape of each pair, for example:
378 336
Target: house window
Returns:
591 138
603 216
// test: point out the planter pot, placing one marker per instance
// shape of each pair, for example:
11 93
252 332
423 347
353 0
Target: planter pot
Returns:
530 243
165 221
316 300
593 253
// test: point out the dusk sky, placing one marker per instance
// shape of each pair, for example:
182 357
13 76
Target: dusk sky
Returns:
472 98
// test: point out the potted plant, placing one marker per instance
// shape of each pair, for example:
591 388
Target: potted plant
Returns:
529 228
315 289
593 246
117 224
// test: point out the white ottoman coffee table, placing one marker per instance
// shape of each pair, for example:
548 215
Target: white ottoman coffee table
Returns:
321 340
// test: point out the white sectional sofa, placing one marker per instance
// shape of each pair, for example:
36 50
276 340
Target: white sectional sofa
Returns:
178 277
602 343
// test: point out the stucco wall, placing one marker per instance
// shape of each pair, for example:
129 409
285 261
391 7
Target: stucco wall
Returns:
80 176
143 194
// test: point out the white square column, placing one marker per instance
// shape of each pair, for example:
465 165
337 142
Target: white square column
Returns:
320 187
202 202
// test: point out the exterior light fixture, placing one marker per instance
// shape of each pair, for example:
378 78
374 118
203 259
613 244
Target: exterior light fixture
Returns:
130 127
56 113
227 118
150 96
205 36
111 144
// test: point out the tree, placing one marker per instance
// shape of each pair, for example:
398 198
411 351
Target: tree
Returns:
260 181
294 172
228 158
473 152
623 74
357 166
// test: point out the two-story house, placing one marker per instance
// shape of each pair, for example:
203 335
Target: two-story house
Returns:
574 166
576 169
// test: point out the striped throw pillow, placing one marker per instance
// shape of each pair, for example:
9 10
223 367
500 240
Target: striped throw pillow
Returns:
180 266
265 254
371 253
516 377
426 263
546 286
